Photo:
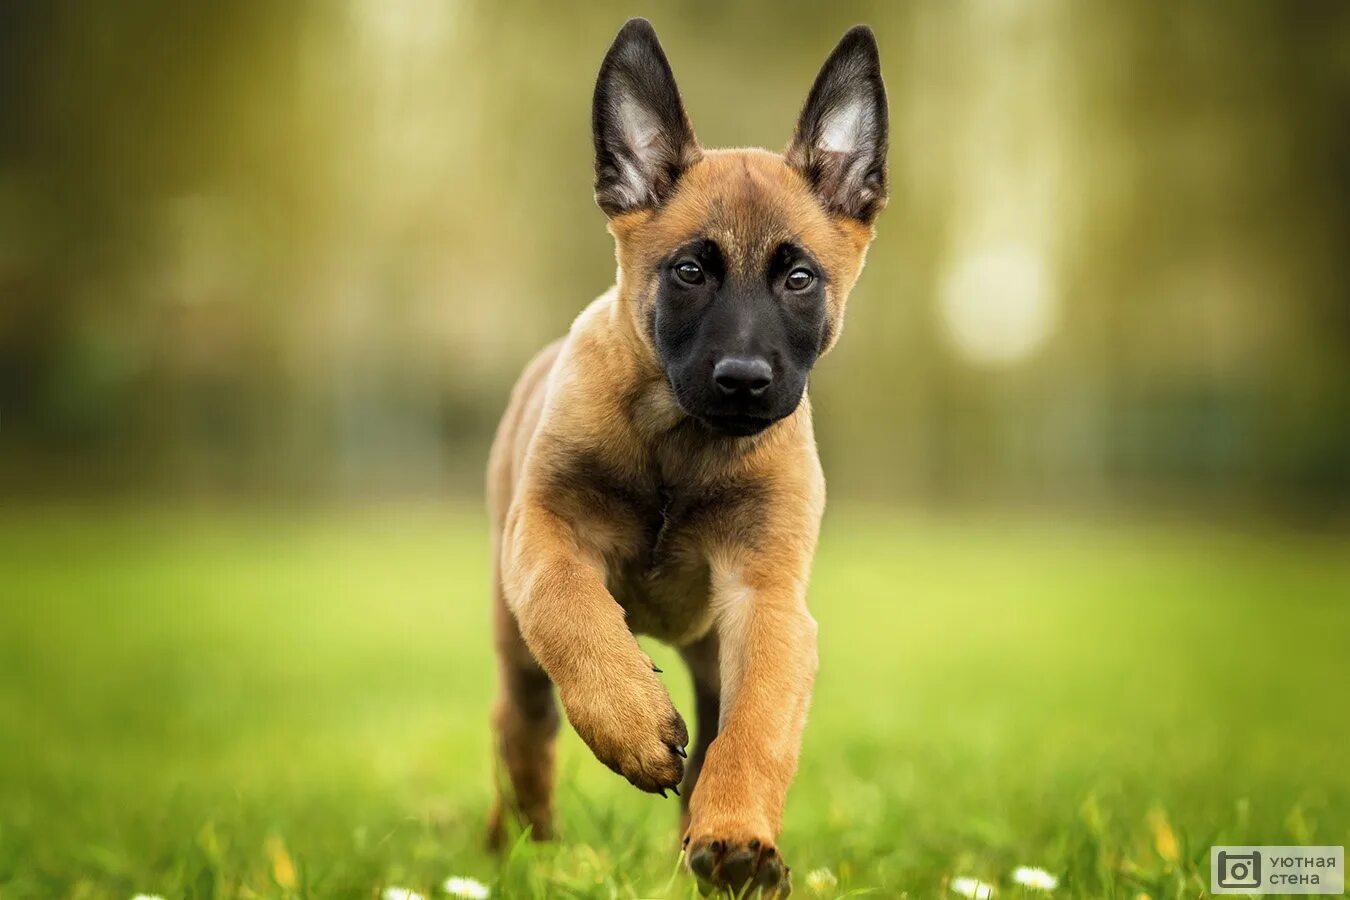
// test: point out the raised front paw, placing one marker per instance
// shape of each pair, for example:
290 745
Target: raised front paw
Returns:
632 727
739 867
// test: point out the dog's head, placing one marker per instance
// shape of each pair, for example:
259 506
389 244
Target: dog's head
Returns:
736 264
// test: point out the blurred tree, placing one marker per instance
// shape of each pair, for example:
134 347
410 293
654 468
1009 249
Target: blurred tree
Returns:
306 247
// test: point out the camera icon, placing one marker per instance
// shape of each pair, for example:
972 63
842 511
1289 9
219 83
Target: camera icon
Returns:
1239 870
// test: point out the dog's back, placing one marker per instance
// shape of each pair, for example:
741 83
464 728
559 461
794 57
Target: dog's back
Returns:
517 426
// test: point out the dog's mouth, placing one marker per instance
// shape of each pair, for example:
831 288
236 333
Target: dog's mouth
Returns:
737 425
726 419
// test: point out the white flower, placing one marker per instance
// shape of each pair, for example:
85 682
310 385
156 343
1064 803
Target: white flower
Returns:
470 888
973 888
401 893
1032 877
147 897
821 880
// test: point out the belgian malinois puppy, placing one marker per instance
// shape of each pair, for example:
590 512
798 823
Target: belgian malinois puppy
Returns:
656 471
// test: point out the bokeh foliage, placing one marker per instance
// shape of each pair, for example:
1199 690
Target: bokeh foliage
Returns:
306 246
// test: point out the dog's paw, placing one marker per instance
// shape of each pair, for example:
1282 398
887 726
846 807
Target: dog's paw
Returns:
632 727
738 868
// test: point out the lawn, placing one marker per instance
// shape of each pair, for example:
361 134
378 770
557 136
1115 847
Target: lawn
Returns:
243 704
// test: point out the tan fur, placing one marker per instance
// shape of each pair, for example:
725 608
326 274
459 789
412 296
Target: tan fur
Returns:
614 513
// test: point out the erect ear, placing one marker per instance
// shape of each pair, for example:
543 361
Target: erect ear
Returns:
643 140
840 142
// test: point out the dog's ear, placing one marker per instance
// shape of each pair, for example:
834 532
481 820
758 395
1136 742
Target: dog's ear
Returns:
840 142
643 140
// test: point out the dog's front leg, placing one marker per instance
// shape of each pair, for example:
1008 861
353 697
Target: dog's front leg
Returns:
768 665
556 588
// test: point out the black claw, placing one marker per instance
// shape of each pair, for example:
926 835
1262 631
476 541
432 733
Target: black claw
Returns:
679 751
662 793
656 668
676 791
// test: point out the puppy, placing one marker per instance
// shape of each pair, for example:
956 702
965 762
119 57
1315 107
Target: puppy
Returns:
656 473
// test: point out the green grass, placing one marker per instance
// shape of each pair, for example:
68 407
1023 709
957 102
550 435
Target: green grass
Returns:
188 700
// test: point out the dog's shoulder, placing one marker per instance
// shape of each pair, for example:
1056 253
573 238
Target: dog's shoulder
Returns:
559 402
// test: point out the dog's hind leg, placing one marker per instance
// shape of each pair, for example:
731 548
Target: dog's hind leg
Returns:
525 722
701 658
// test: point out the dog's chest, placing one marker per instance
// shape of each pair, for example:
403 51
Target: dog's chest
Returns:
660 576
655 525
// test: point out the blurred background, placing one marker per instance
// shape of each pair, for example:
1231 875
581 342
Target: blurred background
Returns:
301 250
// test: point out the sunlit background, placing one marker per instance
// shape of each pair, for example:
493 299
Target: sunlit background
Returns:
303 249
268 271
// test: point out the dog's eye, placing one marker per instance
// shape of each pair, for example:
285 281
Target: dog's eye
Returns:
800 279
689 273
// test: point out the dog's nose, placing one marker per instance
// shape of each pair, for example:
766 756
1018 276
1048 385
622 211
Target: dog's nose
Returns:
749 375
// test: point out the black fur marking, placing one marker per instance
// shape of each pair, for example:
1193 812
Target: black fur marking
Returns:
659 513
706 253
592 485
738 315
788 256
727 511
849 183
636 77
